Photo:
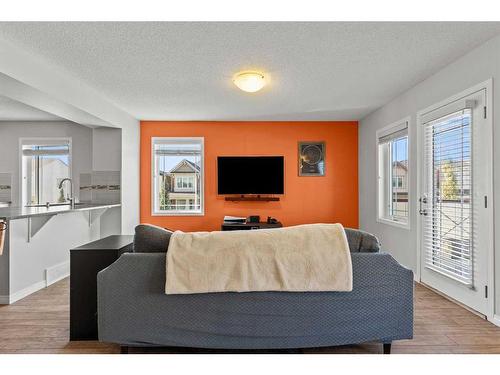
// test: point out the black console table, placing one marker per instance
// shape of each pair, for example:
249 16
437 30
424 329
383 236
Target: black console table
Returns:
249 226
85 262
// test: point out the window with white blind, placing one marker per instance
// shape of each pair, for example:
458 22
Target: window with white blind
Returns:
393 174
177 176
45 163
448 228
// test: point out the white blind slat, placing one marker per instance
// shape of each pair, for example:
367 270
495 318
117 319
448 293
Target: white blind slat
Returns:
45 152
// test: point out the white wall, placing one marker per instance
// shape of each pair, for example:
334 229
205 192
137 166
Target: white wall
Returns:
107 156
106 149
118 149
477 66
48 249
130 178
10 132
29 266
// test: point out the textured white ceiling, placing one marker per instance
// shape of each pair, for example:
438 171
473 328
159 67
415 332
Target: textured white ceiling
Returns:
11 110
183 71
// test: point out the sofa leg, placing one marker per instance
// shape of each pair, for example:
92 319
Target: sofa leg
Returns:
123 349
387 348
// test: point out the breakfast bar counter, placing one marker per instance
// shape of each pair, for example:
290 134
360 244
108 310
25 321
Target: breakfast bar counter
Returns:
12 213
37 241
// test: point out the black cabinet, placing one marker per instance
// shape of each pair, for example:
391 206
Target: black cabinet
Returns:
86 262
249 226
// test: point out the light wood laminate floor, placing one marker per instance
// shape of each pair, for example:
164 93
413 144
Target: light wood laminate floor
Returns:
39 323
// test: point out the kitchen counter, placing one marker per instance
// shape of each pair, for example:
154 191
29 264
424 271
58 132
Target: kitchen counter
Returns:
37 242
12 213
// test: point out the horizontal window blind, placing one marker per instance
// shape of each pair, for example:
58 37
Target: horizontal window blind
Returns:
177 148
395 132
45 152
448 225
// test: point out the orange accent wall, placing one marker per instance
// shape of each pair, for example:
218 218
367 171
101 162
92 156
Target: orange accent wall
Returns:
329 199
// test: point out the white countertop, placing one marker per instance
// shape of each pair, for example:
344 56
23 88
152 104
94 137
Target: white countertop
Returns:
12 213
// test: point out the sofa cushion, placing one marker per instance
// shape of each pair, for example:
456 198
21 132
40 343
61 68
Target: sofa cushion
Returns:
362 242
151 239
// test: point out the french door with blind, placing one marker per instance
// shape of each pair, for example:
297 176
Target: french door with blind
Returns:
455 199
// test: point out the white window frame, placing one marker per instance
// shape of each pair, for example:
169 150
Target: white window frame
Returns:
379 218
154 211
37 140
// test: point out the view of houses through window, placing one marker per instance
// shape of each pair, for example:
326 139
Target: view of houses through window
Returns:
45 164
393 174
178 175
398 205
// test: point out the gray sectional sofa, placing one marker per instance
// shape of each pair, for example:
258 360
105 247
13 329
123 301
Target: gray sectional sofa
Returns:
133 309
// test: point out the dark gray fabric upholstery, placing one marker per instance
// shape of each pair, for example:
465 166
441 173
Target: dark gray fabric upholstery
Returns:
134 310
362 242
151 239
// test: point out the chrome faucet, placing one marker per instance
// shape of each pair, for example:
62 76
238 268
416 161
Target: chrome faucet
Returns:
70 197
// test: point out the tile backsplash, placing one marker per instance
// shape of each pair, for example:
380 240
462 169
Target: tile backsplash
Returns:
5 187
100 187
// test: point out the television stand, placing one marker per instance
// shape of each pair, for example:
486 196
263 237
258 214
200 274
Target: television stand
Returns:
249 226
248 198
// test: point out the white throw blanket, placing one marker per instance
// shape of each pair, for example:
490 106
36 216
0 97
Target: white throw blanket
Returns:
304 258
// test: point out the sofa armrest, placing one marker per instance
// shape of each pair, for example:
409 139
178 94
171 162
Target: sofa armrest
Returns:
151 239
362 242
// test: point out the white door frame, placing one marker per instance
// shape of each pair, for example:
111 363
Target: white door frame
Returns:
488 86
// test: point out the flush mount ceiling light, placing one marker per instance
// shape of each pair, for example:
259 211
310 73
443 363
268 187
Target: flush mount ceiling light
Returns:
249 81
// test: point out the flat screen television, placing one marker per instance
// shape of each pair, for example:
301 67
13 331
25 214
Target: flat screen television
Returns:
250 175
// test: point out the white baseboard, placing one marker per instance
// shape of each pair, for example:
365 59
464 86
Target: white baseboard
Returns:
27 291
52 275
55 273
496 320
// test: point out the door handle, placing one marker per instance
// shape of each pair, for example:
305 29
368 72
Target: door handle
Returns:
422 200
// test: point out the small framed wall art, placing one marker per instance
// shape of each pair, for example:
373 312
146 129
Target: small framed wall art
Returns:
311 158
